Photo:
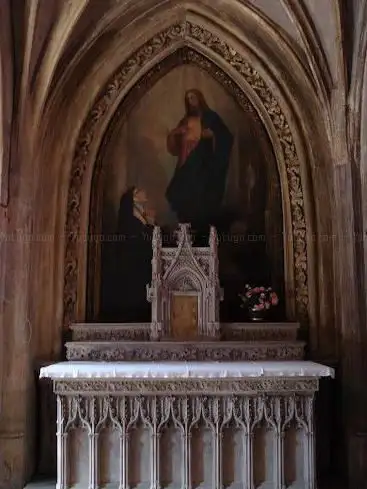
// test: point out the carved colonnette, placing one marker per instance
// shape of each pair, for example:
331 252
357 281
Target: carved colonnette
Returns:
189 409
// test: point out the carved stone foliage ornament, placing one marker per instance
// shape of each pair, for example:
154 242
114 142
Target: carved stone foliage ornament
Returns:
141 332
186 387
217 405
165 41
177 351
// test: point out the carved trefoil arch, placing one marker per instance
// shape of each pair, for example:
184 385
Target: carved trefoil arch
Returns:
167 41
185 271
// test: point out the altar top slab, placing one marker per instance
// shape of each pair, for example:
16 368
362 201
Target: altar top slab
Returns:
184 370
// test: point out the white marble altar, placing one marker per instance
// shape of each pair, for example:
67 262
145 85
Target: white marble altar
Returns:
185 425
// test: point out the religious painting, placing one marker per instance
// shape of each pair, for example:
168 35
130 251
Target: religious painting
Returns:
188 152
202 144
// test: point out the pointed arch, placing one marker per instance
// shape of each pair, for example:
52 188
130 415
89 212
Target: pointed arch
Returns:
243 79
187 55
195 278
263 68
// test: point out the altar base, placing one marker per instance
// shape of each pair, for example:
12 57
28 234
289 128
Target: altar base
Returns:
182 425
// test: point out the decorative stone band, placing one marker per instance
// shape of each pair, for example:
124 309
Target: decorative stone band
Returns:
141 331
183 351
179 387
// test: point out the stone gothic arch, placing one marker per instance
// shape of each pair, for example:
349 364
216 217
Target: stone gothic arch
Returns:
237 74
193 56
286 100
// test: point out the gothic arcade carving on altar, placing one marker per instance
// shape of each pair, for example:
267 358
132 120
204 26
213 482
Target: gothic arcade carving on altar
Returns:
185 290
185 151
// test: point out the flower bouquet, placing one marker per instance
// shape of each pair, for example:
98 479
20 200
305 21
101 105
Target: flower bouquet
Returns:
258 300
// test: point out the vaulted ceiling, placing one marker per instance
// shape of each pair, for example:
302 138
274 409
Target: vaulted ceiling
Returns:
73 46
58 39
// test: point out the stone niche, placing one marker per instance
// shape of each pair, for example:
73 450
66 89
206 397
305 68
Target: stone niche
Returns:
185 291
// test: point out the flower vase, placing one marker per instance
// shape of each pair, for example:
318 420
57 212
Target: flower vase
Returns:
257 315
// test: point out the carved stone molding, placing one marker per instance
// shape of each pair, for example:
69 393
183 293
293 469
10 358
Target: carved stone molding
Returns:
187 386
108 332
163 42
141 331
260 332
177 351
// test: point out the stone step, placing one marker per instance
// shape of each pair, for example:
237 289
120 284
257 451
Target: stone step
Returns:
184 351
264 331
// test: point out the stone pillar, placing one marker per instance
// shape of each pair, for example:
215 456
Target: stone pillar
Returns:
17 414
17 389
356 367
350 314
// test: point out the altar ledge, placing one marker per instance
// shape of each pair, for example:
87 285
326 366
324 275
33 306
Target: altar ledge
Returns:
184 370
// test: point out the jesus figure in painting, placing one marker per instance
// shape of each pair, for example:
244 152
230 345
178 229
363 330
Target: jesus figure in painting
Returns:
202 144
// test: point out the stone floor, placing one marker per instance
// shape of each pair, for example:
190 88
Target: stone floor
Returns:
51 485
41 485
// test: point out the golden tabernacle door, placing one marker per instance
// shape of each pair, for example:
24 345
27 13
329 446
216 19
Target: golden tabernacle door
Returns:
184 317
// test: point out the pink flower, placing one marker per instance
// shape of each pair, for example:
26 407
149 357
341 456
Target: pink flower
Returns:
274 299
258 298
